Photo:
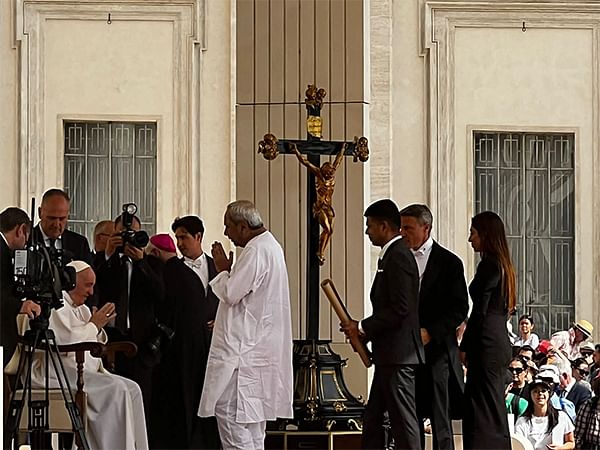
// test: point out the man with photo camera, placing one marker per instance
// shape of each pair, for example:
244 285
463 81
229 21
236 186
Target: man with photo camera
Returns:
133 282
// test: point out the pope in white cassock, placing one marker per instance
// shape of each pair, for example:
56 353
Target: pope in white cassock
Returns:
249 377
115 409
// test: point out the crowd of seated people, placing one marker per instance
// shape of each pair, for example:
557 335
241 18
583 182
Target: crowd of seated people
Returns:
554 387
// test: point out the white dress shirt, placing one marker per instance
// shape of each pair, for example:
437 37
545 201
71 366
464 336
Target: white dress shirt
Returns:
57 242
199 266
381 255
422 256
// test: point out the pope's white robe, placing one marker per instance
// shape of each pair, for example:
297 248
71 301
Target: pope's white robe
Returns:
115 409
253 335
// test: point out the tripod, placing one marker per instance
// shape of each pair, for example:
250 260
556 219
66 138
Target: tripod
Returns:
40 336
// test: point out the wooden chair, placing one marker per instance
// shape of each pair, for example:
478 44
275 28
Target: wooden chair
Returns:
58 417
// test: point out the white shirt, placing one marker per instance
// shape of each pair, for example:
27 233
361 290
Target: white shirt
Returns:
199 266
387 245
381 255
533 341
536 430
129 264
252 335
422 256
565 391
57 242
4 237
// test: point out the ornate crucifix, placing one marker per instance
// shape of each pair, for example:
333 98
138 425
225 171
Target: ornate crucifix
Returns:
320 186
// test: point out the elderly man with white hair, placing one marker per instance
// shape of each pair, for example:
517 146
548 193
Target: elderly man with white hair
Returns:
115 408
249 374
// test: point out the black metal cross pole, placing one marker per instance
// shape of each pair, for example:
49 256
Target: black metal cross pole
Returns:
313 148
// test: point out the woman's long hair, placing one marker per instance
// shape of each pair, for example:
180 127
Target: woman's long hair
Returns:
490 229
551 412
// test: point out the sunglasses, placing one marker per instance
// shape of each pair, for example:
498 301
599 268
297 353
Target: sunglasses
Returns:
525 357
583 371
516 370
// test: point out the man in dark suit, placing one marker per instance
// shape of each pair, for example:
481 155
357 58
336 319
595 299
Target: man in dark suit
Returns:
189 310
52 228
570 388
132 281
14 232
393 329
443 306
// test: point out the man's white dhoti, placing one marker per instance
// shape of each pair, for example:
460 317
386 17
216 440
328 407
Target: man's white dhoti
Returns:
249 376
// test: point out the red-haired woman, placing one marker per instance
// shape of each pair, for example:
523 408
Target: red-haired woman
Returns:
485 344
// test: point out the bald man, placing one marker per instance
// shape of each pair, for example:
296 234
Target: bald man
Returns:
52 227
103 230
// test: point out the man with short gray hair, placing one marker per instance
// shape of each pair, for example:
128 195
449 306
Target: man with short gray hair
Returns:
249 373
443 306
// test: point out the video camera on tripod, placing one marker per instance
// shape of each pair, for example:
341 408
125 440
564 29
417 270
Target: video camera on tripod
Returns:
41 276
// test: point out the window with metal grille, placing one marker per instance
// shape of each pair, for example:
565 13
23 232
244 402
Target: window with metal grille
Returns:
529 180
108 164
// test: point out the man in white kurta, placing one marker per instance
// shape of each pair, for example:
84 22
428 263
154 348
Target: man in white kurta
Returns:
115 410
249 377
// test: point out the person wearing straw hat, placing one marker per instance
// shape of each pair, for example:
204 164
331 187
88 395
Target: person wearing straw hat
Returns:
570 341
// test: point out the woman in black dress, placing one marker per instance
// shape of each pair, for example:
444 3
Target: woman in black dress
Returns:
485 342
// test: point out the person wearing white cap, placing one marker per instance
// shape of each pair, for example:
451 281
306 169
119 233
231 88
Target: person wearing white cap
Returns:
115 409
542 424
550 374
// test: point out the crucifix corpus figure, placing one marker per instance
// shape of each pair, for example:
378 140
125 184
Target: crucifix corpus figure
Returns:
324 184
320 175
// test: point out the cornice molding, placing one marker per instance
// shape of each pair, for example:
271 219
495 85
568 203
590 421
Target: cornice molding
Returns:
439 21
186 17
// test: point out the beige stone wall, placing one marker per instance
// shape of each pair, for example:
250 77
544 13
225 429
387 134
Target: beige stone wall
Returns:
9 148
483 72
155 61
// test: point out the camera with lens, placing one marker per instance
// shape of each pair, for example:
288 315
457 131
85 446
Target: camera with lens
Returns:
152 351
40 274
138 238
162 335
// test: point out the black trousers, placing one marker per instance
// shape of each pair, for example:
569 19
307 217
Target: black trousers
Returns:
433 396
392 390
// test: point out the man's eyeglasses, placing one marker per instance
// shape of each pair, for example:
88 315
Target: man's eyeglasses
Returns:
516 370
583 372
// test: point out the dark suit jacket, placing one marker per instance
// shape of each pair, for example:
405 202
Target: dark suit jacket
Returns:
443 304
145 294
179 377
393 327
579 394
10 304
75 246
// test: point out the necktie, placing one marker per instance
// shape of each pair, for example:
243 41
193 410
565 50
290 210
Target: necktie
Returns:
123 305
563 393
